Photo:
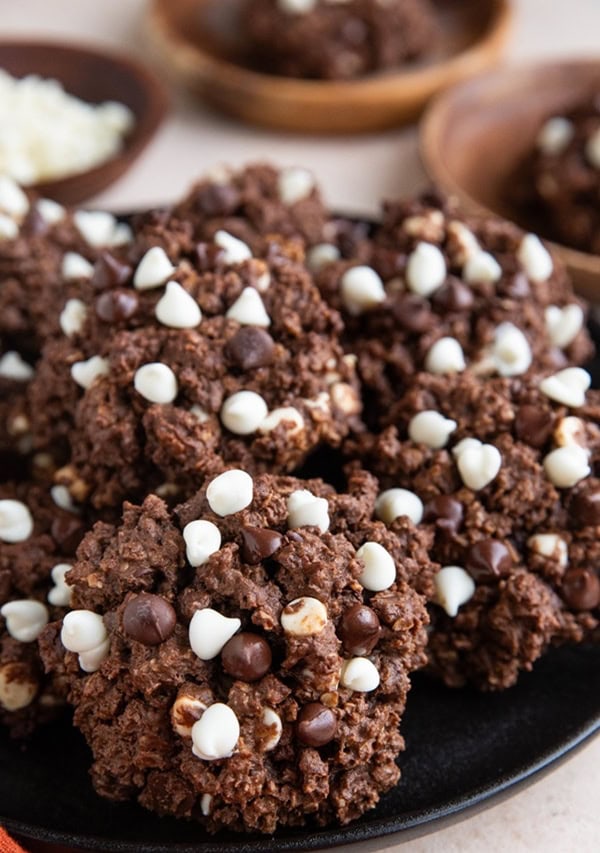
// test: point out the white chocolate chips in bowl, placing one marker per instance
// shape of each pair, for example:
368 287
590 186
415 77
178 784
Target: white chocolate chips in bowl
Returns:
48 134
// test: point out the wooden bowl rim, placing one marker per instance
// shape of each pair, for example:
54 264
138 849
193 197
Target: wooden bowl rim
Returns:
146 123
437 115
384 84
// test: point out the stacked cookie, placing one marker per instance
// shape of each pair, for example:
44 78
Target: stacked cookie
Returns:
236 637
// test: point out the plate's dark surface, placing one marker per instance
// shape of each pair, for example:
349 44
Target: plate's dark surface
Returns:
462 747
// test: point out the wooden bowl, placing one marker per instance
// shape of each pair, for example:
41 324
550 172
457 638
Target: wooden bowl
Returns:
93 76
199 41
474 136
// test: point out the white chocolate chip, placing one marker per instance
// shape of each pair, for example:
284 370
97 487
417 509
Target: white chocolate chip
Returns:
359 674
86 372
563 324
304 617
445 356
60 594
566 466
91 660
361 290
156 382
592 150
62 498
122 235
16 523
297 7
425 269
216 733
511 351
8 227
230 492
75 266
206 804
306 510
482 267
95 226
13 200
466 241
200 414
535 259
570 432
153 269
17 690
380 570
272 720
285 415
202 538
321 255
83 631
394 503
294 184
234 251
568 386
72 317
186 711
209 631
478 464
554 136
453 588
25 619
345 398
51 211
243 412
431 428
249 309
550 545
12 366
177 309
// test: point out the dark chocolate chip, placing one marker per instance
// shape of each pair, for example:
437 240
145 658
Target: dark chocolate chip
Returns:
388 263
585 509
413 313
114 306
533 425
488 559
581 589
259 543
446 512
34 223
454 295
67 531
149 619
359 629
217 199
316 725
250 347
110 272
246 657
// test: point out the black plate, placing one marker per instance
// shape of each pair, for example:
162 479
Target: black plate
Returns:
463 747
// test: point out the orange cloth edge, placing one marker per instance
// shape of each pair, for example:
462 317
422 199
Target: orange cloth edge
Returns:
7 845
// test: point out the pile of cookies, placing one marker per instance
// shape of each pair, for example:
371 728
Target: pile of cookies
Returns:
260 464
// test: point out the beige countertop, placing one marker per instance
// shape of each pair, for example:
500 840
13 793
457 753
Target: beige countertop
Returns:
558 812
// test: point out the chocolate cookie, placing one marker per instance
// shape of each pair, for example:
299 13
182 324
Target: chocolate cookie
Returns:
325 39
440 293
38 537
176 368
15 373
560 179
245 659
46 255
506 474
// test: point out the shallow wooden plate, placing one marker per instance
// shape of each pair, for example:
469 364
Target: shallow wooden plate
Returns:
474 136
199 41
94 76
